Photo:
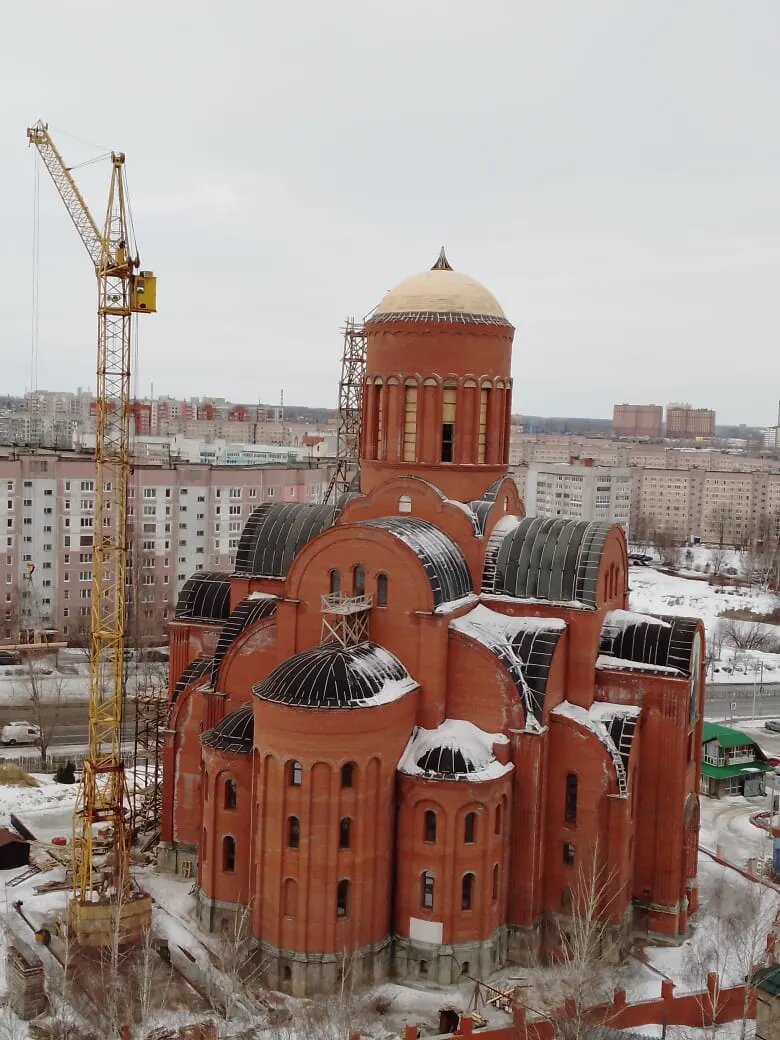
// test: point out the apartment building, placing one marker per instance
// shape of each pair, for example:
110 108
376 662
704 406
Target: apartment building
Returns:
683 421
181 518
578 492
637 420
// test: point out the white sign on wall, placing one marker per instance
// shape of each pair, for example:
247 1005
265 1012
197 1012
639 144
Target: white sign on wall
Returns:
426 931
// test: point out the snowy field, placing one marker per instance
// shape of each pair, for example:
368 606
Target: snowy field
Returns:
65 677
654 592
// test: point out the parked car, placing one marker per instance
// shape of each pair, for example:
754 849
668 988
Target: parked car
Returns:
773 725
20 733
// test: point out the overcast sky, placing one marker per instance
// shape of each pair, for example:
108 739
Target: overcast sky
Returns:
610 169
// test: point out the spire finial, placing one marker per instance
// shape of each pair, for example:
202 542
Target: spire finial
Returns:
442 264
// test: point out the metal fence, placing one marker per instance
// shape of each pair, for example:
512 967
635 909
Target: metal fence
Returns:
32 763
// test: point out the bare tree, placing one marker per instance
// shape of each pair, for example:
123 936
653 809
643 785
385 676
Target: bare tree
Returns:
45 695
720 521
587 941
233 986
718 557
747 635
669 547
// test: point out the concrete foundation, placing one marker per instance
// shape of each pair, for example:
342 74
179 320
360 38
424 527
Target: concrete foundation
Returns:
175 857
26 993
444 965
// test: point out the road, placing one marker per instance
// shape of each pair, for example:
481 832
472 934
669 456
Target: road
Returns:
70 727
721 696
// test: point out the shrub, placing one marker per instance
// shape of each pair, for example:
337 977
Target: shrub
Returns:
66 773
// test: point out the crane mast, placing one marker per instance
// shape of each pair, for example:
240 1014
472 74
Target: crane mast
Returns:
101 878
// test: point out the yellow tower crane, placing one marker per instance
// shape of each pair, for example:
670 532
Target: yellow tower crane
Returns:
103 902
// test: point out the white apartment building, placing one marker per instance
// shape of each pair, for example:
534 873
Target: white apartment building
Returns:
181 518
579 492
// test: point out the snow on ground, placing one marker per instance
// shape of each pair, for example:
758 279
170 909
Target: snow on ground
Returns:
654 592
27 802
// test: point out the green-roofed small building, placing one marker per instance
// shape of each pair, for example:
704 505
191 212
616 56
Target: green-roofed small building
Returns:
732 763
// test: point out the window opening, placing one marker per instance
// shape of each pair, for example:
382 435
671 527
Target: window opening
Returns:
344 828
482 442
429 828
571 798
231 794
381 590
497 827
495 883
342 897
470 828
448 424
228 854
568 853
410 424
347 774
295 774
466 891
426 896
358 580
293 832
335 582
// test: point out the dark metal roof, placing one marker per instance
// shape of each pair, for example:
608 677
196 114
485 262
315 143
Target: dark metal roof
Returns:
196 669
451 317
247 613
553 560
204 597
665 645
335 676
534 650
447 761
442 560
234 733
274 535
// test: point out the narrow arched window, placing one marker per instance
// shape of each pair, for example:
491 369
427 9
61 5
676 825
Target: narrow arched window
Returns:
429 827
348 774
497 826
231 794
358 580
228 854
293 832
381 590
448 423
570 812
466 891
405 504
342 898
335 582
496 881
482 434
426 890
294 774
410 423
344 829
203 847
470 828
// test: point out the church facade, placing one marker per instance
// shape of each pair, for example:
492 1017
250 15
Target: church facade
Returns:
414 724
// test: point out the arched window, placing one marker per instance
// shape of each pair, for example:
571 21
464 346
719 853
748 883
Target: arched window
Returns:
381 590
405 504
335 582
426 890
348 774
204 846
228 854
231 794
482 437
287 973
470 828
448 423
342 898
466 891
358 580
410 423
294 774
293 832
495 883
570 812
290 897
497 826
344 828
429 827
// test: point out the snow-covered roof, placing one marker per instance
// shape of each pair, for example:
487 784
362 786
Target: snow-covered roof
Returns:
553 560
455 750
647 642
336 676
524 645
275 533
614 726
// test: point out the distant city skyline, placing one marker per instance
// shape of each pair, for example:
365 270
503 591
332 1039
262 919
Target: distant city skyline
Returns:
288 166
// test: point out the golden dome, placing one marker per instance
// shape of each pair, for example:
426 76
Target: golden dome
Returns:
440 291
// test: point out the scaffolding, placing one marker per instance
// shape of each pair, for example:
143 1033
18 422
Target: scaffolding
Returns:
353 369
151 713
345 619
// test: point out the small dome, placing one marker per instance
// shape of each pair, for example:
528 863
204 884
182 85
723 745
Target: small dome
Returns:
455 750
336 676
234 733
440 294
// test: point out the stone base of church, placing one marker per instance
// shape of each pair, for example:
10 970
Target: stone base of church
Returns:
444 965
176 857
214 915
302 974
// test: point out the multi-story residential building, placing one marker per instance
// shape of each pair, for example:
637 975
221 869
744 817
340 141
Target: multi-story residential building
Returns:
683 421
579 492
182 518
637 420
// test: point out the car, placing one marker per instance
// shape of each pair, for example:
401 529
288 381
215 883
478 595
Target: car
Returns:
773 725
20 733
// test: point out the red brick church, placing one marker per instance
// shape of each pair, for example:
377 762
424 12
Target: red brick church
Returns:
407 723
